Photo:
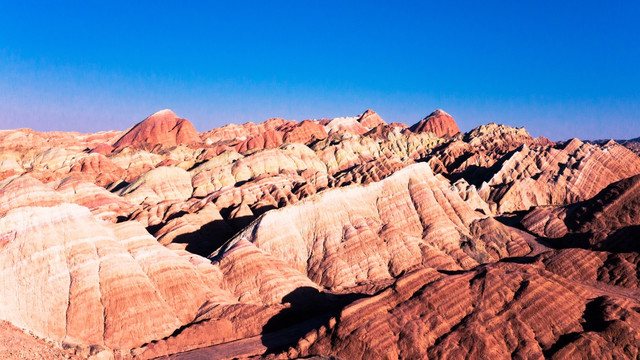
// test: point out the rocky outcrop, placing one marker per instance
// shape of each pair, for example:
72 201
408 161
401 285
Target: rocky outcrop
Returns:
345 237
20 191
480 149
345 124
162 183
305 133
103 204
633 145
98 168
496 311
608 221
370 119
382 229
228 169
270 134
110 285
558 176
514 171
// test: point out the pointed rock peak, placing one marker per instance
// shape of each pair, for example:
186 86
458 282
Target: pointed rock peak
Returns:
162 115
541 140
439 112
164 112
573 143
439 123
162 127
370 119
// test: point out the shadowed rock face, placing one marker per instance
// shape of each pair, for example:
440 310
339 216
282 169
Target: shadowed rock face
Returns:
339 238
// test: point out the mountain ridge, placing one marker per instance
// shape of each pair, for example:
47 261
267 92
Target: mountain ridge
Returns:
348 237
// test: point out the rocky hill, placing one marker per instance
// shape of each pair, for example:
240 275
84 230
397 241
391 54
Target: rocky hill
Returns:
347 238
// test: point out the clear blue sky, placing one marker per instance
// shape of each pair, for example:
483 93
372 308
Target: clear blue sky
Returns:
559 68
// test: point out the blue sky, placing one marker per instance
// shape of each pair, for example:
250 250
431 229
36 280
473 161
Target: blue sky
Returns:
560 69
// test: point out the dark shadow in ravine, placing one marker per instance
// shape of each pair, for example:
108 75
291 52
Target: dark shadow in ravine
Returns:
513 219
626 239
308 309
474 174
209 237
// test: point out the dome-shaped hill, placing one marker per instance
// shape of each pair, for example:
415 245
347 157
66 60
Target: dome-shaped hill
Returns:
439 123
163 127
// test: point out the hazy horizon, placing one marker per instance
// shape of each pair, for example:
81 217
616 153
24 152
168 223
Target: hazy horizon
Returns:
560 70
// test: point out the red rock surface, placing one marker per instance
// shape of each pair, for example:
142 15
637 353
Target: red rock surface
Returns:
497 311
270 134
345 237
15 344
164 128
513 171
439 123
633 145
370 119
98 168
559 175
610 220
305 132
429 225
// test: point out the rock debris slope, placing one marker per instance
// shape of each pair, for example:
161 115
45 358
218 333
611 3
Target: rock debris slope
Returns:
348 237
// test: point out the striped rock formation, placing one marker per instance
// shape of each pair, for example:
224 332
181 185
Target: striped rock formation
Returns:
345 237
162 183
96 283
502 310
86 284
513 171
355 125
438 122
161 128
610 220
558 176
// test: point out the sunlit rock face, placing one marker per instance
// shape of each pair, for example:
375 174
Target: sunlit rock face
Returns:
497 311
514 172
439 123
70 277
559 175
348 237
161 128
380 230
609 217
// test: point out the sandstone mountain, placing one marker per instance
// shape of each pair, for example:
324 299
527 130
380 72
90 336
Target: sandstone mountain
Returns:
633 145
610 220
164 128
348 238
439 123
